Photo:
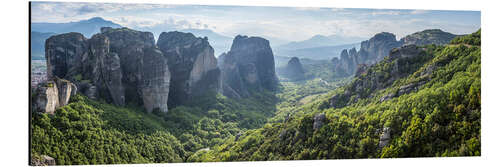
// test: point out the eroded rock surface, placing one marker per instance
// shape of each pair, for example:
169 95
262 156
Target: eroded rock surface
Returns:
118 65
249 65
53 94
192 64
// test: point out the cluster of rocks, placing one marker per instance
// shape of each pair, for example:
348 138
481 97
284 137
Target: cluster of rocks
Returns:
367 80
125 66
380 45
371 52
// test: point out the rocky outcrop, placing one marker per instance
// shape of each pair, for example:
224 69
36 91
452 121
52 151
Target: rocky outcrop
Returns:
53 94
371 52
249 65
118 65
293 70
318 120
426 37
192 65
43 160
385 137
379 46
382 75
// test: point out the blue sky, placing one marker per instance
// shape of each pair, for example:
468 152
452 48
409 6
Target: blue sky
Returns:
286 23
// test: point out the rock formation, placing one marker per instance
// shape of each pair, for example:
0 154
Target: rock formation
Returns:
385 137
371 52
53 94
43 160
118 65
431 36
293 70
192 64
371 78
380 45
249 65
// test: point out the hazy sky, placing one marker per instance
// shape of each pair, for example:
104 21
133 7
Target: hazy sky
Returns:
287 23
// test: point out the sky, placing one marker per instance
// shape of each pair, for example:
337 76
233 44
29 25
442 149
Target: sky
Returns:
285 23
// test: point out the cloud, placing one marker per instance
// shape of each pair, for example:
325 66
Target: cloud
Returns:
418 12
307 8
389 12
337 9
283 23
64 11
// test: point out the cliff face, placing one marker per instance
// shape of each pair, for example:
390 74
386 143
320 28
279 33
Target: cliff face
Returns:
53 94
118 65
248 65
192 64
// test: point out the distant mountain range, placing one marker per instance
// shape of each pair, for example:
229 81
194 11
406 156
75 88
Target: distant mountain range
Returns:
41 31
86 27
320 41
318 47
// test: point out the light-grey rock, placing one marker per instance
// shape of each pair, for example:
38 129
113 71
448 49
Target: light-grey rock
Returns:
385 137
318 120
53 94
44 160
155 81
46 98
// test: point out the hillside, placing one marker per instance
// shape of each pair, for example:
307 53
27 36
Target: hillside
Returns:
433 109
431 36
419 101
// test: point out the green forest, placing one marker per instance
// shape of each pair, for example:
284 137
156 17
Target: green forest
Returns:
440 116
